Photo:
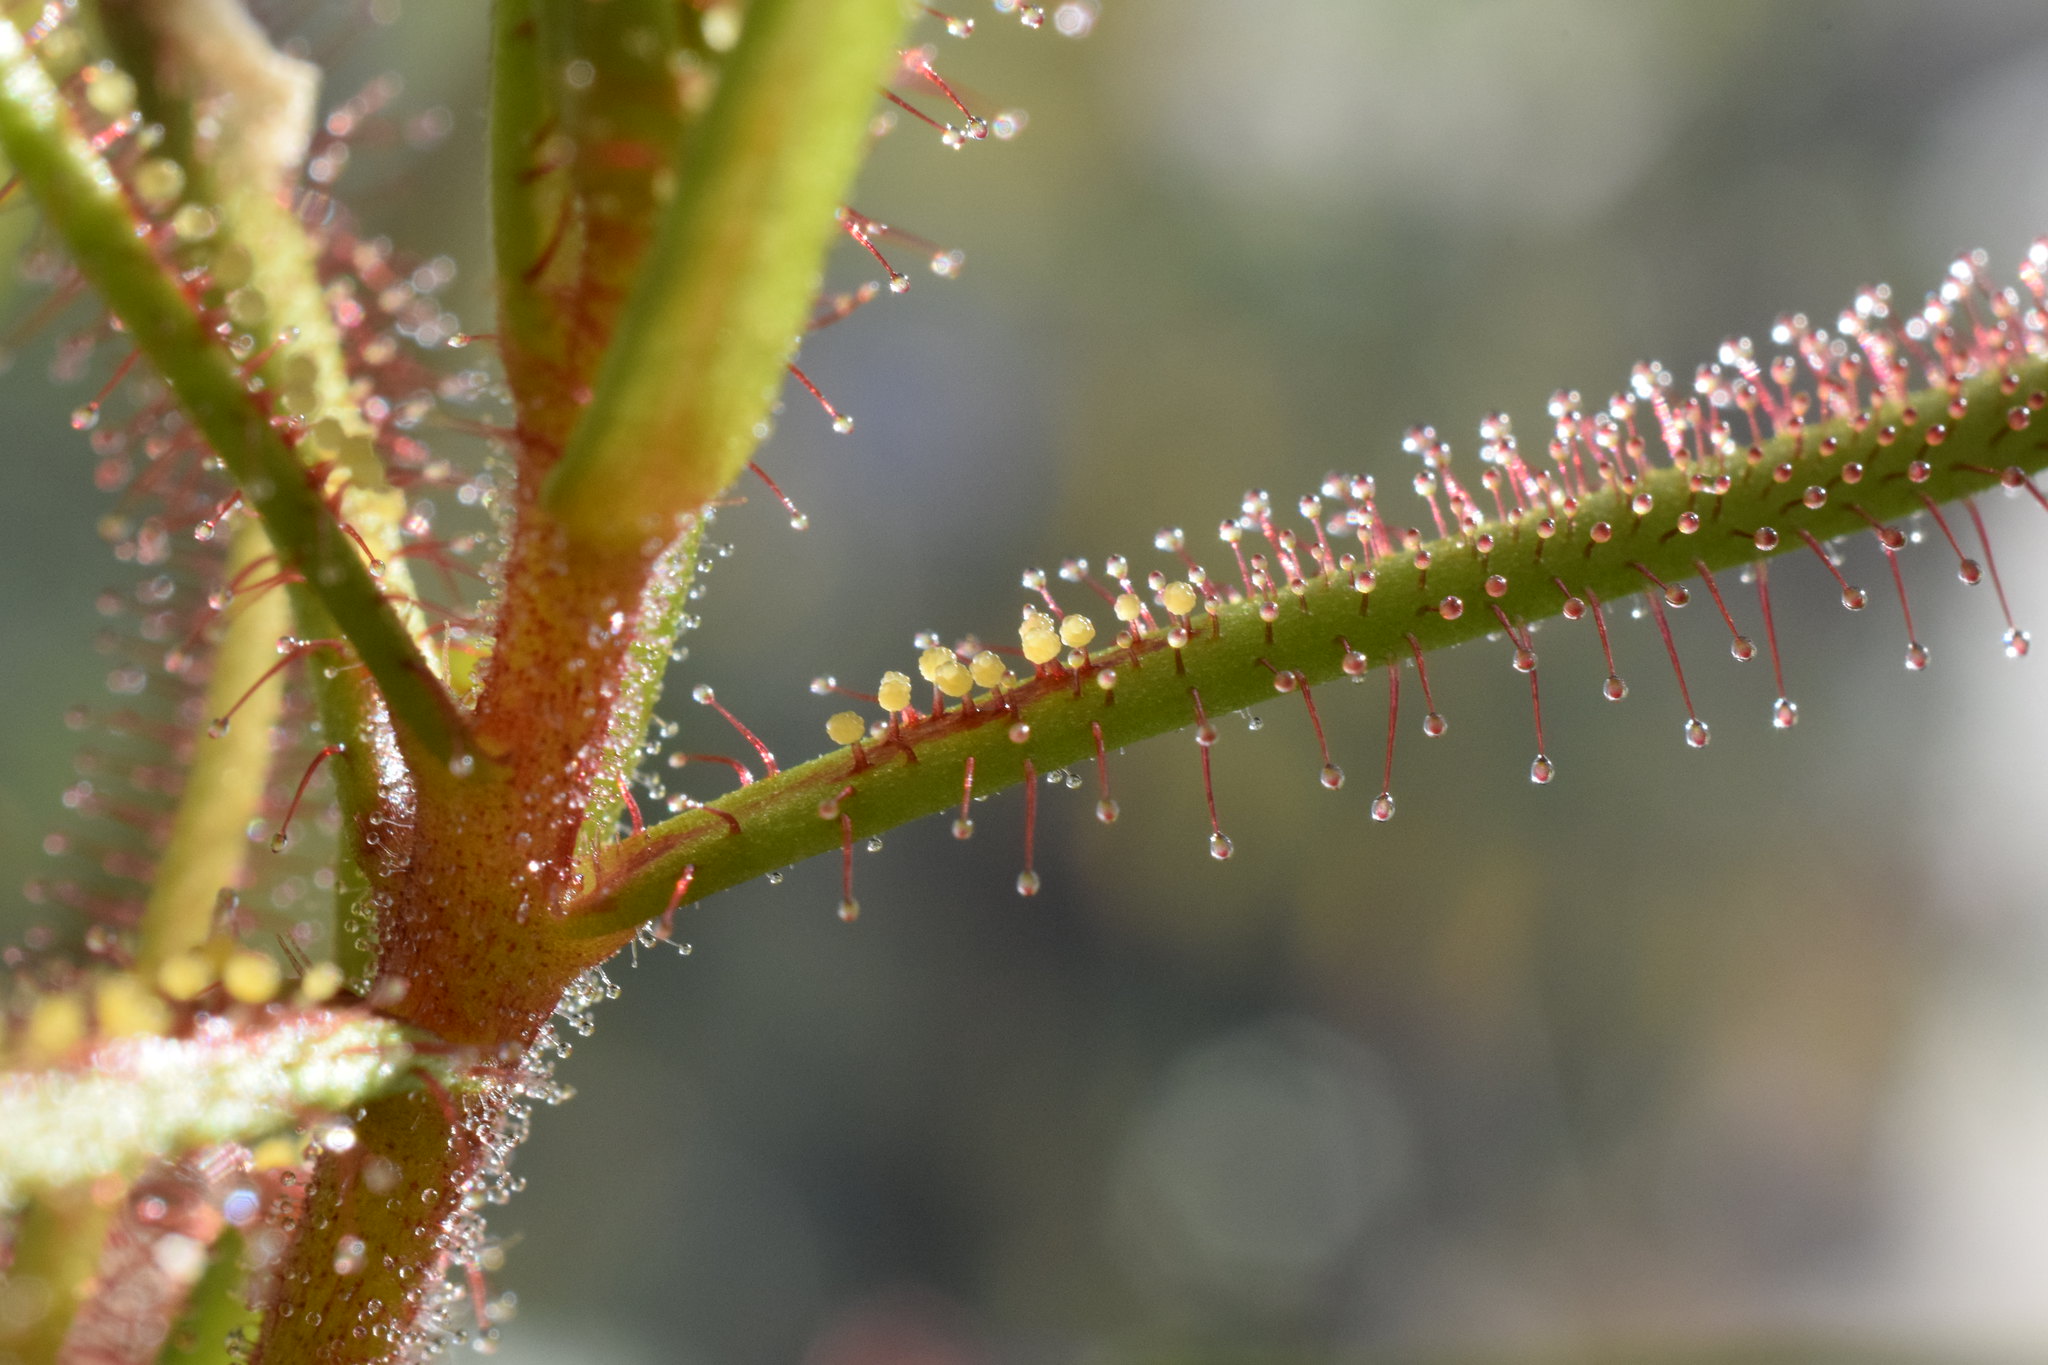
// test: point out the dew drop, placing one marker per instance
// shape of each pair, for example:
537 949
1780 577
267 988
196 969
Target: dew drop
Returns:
1971 572
1854 598
1451 608
1220 847
849 910
1574 608
842 424
1434 724
1525 661
1766 538
1332 776
963 828
1496 585
218 729
775 877
1107 810
1355 665
2016 643
1020 732
1205 734
875 844
1916 657
1383 807
280 841
1696 732
1027 883
1614 689
1542 770
86 417
1784 713
1742 649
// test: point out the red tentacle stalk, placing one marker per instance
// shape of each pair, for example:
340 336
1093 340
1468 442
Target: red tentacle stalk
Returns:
841 423
963 823
704 696
797 520
1383 804
1220 846
1916 653
1614 689
1967 568
1738 644
2017 641
1106 808
1433 723
279 840
1027 880
667 926
1853 598
849 908
1695 728
1784 711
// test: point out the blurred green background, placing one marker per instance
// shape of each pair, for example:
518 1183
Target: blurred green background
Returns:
1732 1054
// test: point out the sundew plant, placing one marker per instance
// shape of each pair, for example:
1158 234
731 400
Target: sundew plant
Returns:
383 786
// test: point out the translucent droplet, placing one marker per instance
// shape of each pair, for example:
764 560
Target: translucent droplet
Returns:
1451 608
1434 725
1332 776
799 522
1696 732
849 910
1742 649
1916 657
1542 770
963 828
1970 571
85 417
842 424
1383 807
1614 689
1854 598
1676 596
1574 608
1027 883
1220 846
1766 539
1107 810
218 729
1205 734
875 844
1525 661
280 841
1354 664
2016 643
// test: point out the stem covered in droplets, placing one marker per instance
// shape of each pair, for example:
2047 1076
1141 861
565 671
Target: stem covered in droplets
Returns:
1235 659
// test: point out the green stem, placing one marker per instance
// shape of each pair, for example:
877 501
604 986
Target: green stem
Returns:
85 203
56 1250
1594 553
699 353
218 1324
208 847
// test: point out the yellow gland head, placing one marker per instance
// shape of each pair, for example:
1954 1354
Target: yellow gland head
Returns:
1179 598
988 670
954 679
1128 608
845 727
932 660
1040 646
1076 631
894 692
